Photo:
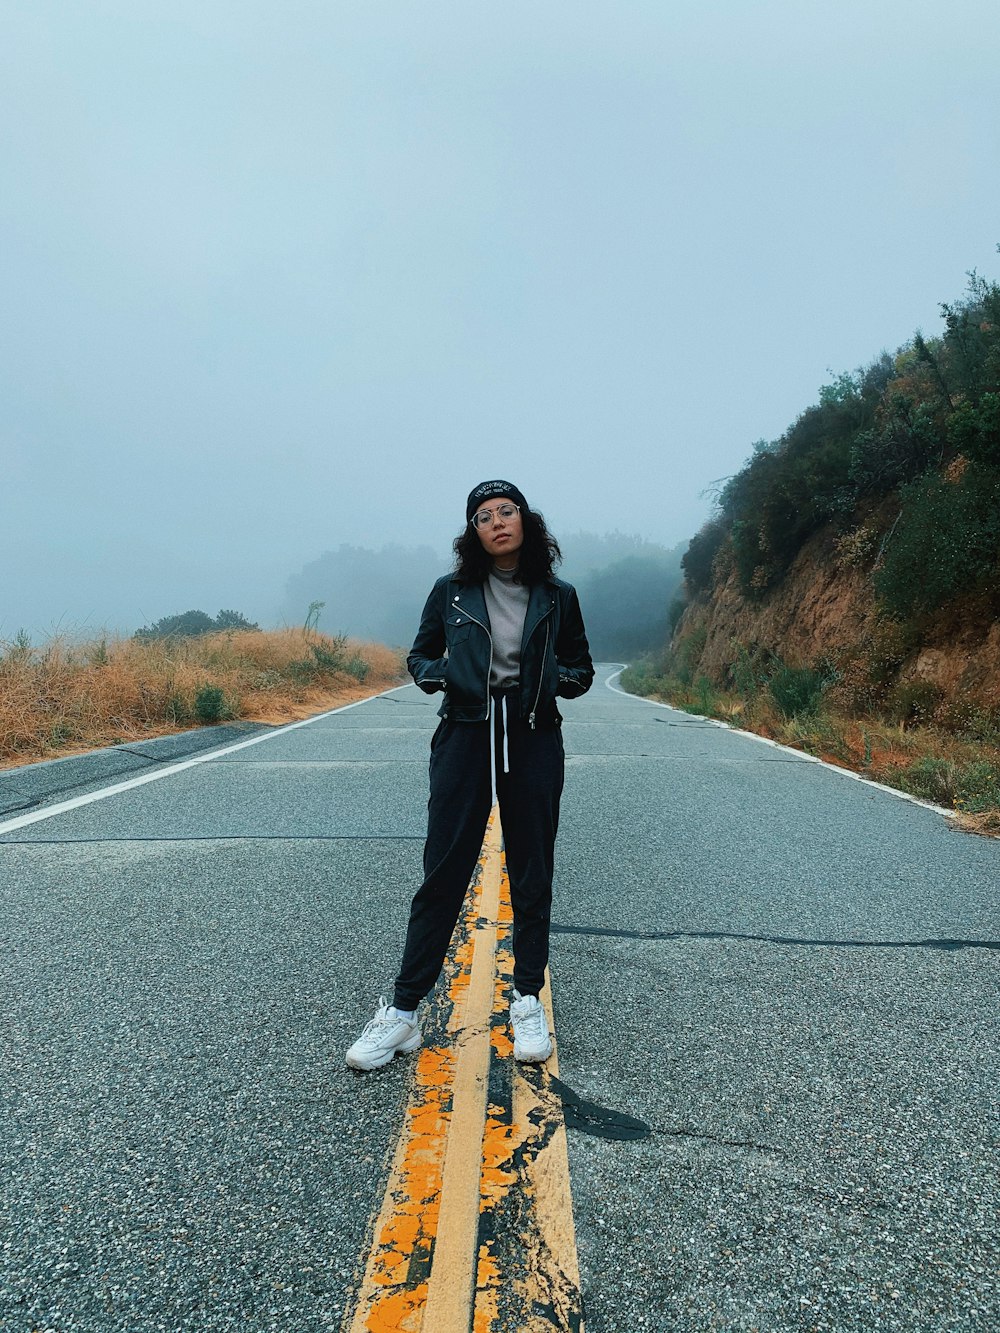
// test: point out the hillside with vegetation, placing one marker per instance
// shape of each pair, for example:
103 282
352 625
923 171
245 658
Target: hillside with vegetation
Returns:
845 595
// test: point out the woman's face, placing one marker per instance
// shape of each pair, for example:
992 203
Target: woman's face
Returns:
503 537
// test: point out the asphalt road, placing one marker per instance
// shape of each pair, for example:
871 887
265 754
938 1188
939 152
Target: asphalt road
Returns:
790 976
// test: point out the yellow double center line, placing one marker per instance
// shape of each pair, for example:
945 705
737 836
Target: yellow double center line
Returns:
475 1232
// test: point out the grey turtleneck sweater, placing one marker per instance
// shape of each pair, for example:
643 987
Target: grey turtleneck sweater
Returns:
507 604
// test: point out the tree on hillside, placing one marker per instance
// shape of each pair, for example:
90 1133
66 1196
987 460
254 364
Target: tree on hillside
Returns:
233 620
698 560
893 427
191 624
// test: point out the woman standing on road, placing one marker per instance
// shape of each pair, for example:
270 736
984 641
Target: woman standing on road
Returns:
502 637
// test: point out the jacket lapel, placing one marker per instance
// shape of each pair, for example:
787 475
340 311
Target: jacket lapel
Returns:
540 603
471 599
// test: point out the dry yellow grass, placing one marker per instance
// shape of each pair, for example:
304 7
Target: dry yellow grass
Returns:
67 697
986 824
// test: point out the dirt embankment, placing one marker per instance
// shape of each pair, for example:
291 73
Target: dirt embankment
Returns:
825 608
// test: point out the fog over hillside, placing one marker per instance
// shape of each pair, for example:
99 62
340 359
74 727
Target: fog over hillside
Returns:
626 585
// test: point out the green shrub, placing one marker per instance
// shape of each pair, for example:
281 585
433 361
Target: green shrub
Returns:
932 779
330 656
176 709
192 624
18 652
210 704
327 657
748 672
915 701
303 671
797 690
945 544
980 723
634 680
973 788
233 620
820 734
357 667
856 548
887 426
647 676
698 560
705 696
978 788
688 653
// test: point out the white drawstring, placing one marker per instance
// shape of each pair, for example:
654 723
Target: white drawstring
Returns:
504 723
493 754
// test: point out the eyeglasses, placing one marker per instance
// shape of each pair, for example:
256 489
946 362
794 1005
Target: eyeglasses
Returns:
485 517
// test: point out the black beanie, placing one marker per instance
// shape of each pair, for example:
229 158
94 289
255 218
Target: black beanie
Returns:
486 490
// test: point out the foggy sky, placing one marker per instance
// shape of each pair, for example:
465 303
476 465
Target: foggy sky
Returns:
280 277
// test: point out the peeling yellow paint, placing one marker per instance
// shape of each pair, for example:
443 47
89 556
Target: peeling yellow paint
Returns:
410 1224
459 984
428 1272
399 1312
405 1231
451 1293
500 1037
499 1143
487 1285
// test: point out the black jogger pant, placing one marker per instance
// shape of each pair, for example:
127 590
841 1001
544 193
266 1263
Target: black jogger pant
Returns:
457 814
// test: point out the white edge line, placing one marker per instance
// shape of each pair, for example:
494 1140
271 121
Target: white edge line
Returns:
74 803
788 749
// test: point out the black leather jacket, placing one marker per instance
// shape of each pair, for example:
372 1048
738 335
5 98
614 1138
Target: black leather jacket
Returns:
453 651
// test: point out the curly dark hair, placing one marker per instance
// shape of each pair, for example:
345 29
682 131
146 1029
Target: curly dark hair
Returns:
538 558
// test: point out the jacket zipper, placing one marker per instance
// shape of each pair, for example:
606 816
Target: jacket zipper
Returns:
490 667
531 715
538 694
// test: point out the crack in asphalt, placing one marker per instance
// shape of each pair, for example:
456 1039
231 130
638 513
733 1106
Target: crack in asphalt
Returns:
223 837
717 1138
946 945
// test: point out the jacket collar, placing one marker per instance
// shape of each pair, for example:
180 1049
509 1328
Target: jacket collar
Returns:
471 598
541 600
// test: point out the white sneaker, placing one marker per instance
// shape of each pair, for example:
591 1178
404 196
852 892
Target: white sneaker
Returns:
387 1034
531 1031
